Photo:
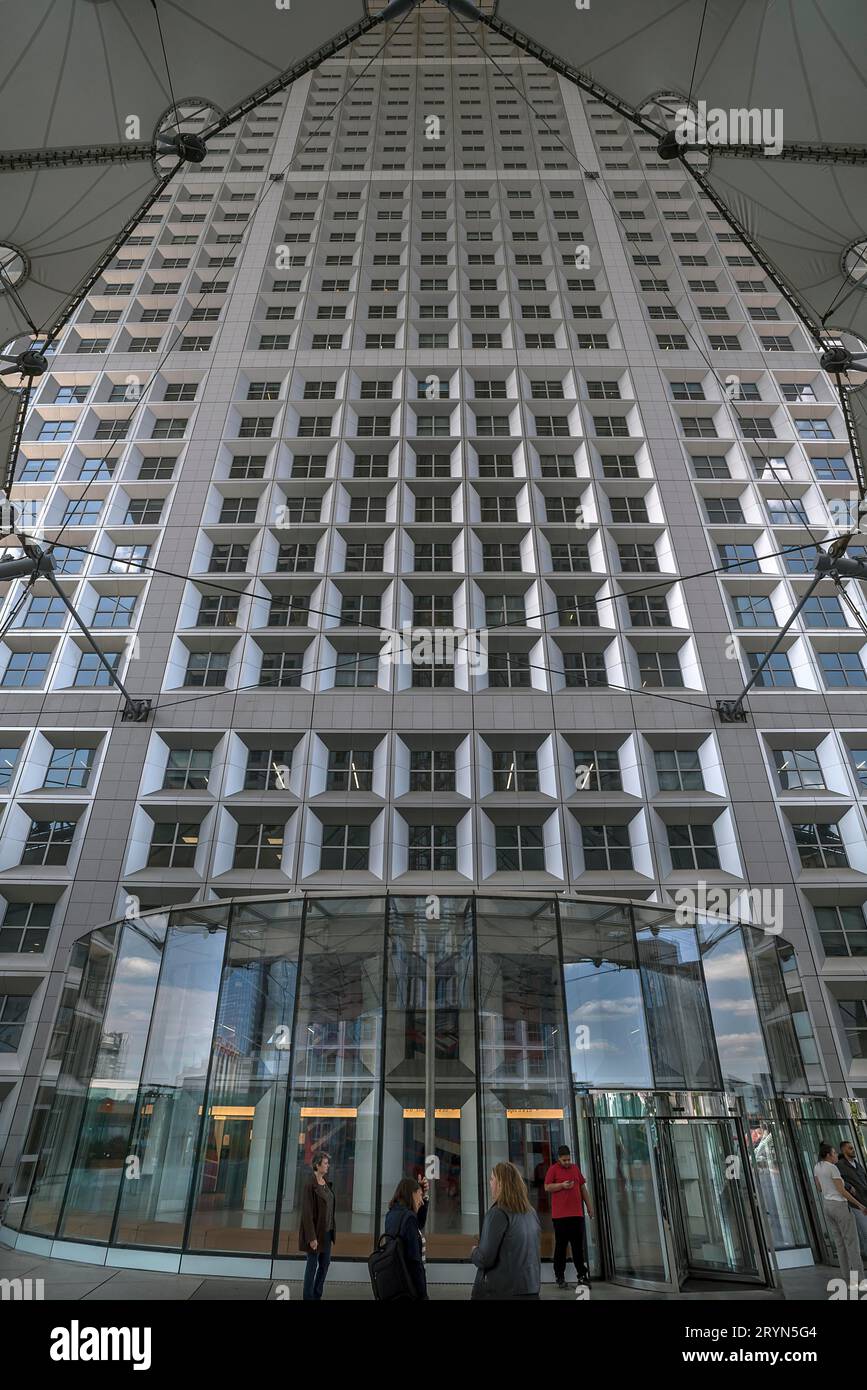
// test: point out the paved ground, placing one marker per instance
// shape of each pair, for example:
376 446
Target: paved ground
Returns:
66 1281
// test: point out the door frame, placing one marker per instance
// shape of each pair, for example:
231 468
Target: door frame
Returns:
657 1109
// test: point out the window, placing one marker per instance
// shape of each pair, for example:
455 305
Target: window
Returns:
368 557
740 558
356 669
207 669
784 512
584 670
91 671
814 429
228 559
678 769
638 559
433 847
628 510
48 842
259 846
576 610
820 845
238 511
45 612
69 767
515 771
753 610
831 470
843 930
648 610
129 559
798 768
692 847
13 1016
281 670
777 673
842 670
500 557
698 427
659 669
345 847
81 512
825 611
8 759
606 847
687 391
26 670
25 928
519 849
619 466
173 845
350 770
432 770
156 469
296 559
509 670
597 770
114 610
853 1013
859 763
143 511
187 769
710 466
267 769
247 466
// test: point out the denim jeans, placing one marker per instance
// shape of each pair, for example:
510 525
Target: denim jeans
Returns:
317 1268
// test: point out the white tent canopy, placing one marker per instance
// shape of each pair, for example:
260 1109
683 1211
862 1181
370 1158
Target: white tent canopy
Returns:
73 74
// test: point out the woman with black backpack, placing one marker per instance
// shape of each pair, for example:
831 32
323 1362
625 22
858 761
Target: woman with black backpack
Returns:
507 1255
405 1219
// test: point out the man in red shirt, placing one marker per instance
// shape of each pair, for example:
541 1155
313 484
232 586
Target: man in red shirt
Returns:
569 1198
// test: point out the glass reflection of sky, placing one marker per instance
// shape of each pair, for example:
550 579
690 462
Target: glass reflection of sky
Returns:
736 1023
606 1000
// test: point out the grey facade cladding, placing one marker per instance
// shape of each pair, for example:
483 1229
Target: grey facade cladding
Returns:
751 812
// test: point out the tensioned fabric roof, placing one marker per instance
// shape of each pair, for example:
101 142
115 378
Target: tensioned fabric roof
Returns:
71 76
802 58
74 72
800 61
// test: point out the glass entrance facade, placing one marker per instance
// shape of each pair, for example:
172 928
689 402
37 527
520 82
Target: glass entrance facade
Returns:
208 1052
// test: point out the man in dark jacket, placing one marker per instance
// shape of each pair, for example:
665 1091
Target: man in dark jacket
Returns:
318 1229
855 1180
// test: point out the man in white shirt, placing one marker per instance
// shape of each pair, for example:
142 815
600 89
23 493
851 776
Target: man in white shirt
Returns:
836 1203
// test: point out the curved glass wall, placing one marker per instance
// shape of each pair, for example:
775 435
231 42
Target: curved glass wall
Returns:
208 1052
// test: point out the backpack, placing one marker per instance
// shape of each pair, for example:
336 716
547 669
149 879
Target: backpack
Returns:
389 1274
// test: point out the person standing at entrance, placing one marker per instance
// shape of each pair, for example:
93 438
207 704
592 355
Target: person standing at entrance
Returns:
507 1255
567 1187
855 1182
318 1228
837 1204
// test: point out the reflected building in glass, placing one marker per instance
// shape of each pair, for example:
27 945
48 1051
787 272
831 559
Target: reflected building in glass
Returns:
208 1053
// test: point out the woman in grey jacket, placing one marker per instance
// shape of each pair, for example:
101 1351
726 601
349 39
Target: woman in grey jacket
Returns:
507 1255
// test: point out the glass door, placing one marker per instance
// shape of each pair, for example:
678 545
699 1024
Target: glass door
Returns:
628 1168
711 1200
533 1140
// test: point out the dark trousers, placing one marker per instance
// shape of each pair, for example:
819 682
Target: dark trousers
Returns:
568 1230
317 1268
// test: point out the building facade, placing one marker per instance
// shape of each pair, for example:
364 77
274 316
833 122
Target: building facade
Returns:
434 490
207 1054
